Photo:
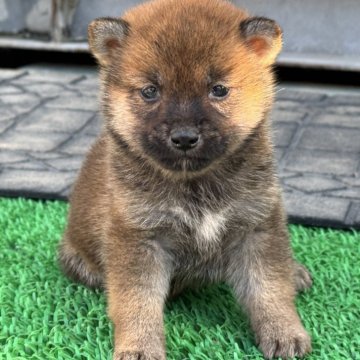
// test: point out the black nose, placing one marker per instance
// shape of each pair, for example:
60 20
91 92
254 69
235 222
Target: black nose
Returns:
184 139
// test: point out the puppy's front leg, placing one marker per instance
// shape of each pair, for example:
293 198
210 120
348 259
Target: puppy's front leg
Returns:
137 283
260 270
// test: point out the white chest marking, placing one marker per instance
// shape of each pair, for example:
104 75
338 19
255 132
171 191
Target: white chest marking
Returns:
211 226
207 227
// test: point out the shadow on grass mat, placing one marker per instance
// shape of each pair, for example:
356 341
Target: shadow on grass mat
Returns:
45 316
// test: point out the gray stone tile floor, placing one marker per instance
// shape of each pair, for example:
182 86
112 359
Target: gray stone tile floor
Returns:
49 118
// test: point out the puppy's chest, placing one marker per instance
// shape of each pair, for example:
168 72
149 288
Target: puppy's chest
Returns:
200 227
204 225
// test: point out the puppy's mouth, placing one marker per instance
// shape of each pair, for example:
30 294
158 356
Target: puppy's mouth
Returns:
191 160
185 162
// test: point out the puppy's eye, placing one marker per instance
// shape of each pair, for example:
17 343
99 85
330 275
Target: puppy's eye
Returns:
150 93
219 91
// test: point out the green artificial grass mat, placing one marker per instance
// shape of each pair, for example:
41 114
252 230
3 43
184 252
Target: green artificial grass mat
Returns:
46 316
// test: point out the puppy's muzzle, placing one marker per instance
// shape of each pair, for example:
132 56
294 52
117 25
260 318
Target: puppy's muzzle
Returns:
184 139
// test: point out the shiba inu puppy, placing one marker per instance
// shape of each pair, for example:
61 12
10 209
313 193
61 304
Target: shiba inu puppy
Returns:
180 188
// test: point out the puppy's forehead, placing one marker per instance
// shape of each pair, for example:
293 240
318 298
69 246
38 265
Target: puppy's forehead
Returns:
185 41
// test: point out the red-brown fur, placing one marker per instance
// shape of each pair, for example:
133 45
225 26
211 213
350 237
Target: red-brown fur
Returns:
146 220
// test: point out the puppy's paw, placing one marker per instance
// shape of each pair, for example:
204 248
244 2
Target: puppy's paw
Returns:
286 342
136 355
303 280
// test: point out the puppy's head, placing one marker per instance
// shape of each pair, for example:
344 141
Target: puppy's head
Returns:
185 82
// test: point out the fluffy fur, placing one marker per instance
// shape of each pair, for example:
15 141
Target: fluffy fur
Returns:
147 219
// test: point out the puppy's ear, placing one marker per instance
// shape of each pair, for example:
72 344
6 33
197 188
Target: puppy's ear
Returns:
106 35
263 36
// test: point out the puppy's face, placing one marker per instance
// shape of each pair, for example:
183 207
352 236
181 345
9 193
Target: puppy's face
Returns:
185 83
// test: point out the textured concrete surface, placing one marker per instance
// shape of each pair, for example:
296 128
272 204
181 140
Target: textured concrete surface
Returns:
48 120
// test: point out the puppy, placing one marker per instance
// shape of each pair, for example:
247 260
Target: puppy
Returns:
180 188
